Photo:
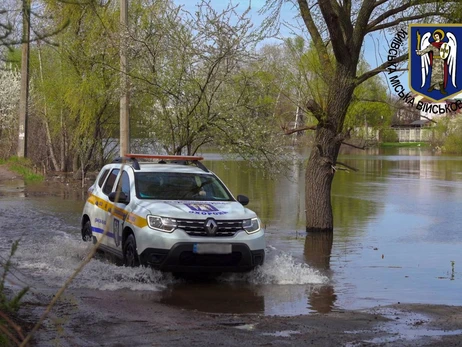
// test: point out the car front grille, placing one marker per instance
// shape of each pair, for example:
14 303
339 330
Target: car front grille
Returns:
196 227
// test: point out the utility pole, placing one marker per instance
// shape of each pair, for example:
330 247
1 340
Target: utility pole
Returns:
124 98
24 97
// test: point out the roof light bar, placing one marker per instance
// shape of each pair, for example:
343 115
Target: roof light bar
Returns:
164 157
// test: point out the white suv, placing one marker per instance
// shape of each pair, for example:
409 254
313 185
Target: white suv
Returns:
174 215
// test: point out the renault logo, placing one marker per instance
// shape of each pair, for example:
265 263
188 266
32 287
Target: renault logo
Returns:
210 227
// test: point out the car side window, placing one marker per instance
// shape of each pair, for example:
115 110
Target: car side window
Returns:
110 181
102 178
124 184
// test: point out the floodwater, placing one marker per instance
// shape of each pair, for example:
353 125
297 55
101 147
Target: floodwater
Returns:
397 238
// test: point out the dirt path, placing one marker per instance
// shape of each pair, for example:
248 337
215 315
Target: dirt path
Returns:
94 318
6 174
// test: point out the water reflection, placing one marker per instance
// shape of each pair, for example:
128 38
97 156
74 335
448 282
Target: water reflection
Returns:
317 252
208 296
12 188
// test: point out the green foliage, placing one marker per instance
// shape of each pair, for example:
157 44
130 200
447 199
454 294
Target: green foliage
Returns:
369 106
24 167
453 142
388 135
76 84
440 132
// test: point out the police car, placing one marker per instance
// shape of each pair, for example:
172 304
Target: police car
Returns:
173 214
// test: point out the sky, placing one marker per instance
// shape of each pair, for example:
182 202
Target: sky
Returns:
375 47
288 11
289 14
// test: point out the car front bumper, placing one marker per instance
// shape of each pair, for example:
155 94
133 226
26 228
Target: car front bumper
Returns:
182 258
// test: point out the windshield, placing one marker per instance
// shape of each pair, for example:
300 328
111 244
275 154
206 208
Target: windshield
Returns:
180 186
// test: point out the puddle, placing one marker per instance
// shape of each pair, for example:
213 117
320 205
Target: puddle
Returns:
282 333
247 327
12 188
405 326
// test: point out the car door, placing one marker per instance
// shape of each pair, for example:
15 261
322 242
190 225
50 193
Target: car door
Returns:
119 214
104 206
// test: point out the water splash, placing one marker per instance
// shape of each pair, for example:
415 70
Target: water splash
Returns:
281 269
54 262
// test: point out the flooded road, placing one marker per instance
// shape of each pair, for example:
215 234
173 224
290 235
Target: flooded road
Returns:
397 239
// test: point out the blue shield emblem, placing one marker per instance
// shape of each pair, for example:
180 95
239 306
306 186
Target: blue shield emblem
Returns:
433 60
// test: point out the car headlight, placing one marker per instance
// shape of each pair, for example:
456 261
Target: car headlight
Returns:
251 225
162 223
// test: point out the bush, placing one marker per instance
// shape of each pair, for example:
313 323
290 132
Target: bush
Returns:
388 135
453 144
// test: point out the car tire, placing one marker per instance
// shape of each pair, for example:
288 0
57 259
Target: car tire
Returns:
87 234
131 258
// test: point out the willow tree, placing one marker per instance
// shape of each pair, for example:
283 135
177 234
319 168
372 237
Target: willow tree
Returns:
338 29
76 82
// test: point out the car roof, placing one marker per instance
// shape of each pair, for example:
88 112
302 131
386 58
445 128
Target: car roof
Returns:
156 167
165 163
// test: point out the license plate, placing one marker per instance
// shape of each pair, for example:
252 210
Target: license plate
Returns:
212 248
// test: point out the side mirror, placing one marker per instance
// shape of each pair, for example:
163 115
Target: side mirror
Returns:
243 199
123 198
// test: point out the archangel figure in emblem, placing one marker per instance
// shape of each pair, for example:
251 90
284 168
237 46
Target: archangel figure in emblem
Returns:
441 56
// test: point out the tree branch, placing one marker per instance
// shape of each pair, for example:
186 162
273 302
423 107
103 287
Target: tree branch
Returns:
380 2
404 19
321 49
431 120
354 146
345 165
315 109
333 21
297 130
371 73
361 26
387 14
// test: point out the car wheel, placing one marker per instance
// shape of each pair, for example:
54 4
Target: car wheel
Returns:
87 234
130 254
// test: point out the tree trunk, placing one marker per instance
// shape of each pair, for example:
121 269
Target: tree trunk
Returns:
320 169
50 144
318 181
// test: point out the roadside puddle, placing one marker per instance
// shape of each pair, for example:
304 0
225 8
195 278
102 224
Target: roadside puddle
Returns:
405 326
12 188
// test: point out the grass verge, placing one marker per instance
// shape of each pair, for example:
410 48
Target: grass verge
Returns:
404 144
24 167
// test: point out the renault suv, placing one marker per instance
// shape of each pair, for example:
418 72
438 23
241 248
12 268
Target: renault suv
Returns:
172 214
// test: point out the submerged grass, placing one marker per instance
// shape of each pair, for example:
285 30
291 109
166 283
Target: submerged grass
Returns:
404 144
24 167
